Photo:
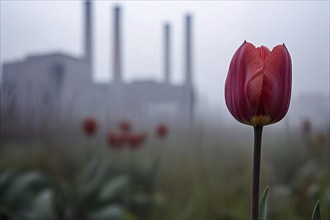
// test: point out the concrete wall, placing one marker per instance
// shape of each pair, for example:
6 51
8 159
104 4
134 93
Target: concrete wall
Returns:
49 93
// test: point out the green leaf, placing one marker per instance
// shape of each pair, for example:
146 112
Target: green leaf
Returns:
94 178
42 206
23 189
111 212
7 179
317 212
114 187
263 205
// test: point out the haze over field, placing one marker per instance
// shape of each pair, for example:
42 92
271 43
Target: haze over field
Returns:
94 125
219 28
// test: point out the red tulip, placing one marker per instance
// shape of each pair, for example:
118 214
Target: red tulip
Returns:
125 126
258 84
161 130
115 141
307 127
135 140
89 126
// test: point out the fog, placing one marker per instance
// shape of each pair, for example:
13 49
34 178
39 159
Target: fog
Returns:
72 148
219 28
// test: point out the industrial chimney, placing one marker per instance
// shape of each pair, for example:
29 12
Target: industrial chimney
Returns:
117 47
167 51
188 69
88 50
188 51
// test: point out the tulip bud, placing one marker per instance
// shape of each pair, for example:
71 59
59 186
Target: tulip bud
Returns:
125 126
161 130
136 140
258 84
89 126
115 141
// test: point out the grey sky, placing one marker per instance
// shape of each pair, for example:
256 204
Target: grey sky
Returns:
219 27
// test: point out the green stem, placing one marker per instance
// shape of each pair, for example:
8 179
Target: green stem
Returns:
256 173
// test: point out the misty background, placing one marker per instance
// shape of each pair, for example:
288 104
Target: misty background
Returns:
72 149
219 28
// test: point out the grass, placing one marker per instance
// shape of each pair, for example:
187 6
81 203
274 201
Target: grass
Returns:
197 176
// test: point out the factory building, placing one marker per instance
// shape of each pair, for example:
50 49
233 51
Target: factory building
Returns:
55 91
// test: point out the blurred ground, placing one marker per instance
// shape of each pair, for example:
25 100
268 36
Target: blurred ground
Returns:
196 174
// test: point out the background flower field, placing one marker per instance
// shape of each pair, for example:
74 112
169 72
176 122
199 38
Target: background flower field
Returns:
196 174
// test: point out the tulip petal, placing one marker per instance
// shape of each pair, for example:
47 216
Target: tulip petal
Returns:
258 84
263 52
244 82
255 75
276 90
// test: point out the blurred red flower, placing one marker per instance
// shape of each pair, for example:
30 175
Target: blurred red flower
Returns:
115 141
125 126
258 84
306 127
135 141
161 130
89 126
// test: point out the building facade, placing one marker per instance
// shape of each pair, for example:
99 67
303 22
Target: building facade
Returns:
55 91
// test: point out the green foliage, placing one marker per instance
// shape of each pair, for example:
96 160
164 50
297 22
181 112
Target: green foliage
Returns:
317 212
263 205
60 183
25 196
100 191
111 212
113 188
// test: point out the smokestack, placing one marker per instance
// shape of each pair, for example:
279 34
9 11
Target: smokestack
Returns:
188 51
167 51
88 50
117 47
188 69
